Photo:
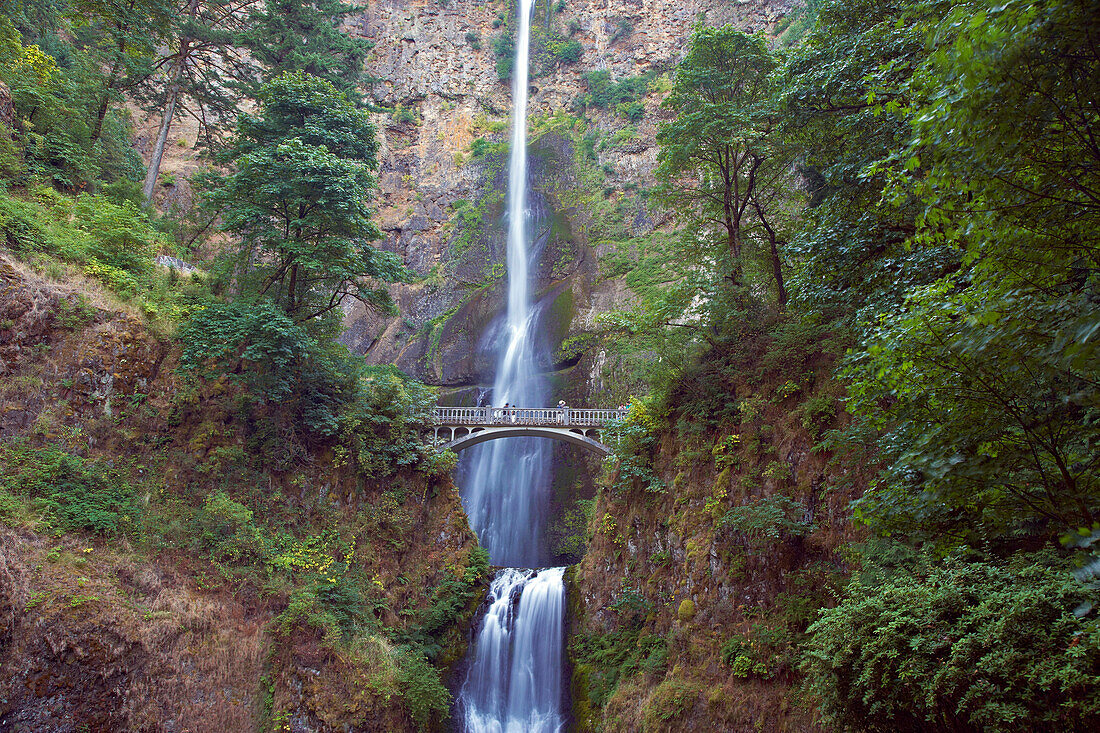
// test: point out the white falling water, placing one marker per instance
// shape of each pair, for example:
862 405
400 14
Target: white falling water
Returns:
513 681
507 481
513 684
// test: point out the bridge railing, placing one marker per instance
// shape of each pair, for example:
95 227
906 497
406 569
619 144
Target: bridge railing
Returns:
555 416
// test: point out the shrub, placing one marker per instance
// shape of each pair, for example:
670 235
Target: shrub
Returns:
75 493
403 115
504 46
117 279
971 646
771 518
633 111
668 702
604 93
568 52
623 28
19 224
634 442
225 529
421 687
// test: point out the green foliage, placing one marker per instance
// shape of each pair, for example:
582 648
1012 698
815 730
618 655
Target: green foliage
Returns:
334 609
422 690
990 421
668 702
633 111
970 645
568 52
743 657
472 221
631 606
381 429
796 24
298 199
74 494
292 36
633 442
720 166
54 136
606 659
371 415
623 28
451 601
225 529
120 236
403 115
975 378
774 517
604 93
257 343
504 46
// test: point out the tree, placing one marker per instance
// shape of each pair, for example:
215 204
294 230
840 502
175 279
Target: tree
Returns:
125 33
844 101
289 35
298 199
986 383
200 73
713 153
51 124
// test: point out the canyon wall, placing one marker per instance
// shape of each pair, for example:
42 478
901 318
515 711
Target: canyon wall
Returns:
444 139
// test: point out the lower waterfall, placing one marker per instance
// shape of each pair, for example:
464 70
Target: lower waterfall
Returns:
514 680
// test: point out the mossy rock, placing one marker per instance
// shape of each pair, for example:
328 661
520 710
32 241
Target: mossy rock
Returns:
686 612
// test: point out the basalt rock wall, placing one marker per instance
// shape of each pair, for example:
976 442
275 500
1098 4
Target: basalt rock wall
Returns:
443 159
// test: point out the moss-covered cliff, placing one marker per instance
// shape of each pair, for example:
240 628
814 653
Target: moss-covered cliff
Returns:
593 121
692 598
163 568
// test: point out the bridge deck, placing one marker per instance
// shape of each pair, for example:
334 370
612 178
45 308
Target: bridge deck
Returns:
550 417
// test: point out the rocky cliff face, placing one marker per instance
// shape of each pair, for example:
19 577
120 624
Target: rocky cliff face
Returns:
443 147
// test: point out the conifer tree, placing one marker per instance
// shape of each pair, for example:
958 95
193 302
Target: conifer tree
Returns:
288 35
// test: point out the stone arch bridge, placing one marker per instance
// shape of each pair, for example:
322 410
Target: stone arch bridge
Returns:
458 428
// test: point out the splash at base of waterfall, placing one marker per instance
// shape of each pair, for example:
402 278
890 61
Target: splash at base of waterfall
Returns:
514 682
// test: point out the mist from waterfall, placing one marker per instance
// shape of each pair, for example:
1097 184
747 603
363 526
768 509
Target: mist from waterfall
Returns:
513 680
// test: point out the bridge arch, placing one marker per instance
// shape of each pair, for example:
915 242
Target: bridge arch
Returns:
573 436
458 428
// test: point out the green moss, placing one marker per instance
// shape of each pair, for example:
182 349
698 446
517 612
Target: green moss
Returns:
686 612
573 346
668 702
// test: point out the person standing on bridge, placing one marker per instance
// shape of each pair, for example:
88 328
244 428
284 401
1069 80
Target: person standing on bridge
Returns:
561 411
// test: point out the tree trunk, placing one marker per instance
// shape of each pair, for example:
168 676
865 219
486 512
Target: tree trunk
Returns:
777 269
162 136
173 97
291 286
106 101
777 265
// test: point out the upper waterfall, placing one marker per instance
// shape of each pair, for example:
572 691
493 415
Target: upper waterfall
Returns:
505 484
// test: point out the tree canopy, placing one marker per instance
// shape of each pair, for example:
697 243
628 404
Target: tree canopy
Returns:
299 200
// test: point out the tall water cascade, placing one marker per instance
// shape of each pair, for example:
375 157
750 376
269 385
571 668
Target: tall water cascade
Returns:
513 680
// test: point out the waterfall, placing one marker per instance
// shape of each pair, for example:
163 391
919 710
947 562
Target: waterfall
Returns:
513 680
506 482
